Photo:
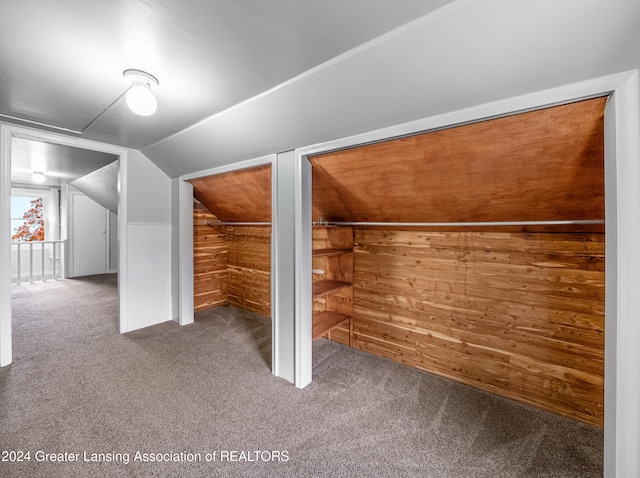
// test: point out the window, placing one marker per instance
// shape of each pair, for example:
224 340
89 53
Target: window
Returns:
28 216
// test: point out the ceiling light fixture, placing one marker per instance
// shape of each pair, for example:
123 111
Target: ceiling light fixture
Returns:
139 97
38 177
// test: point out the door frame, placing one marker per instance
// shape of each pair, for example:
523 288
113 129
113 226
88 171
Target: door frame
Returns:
184 223
622 261
7 132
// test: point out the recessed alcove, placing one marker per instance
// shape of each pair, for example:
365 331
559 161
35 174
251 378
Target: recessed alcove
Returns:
474 252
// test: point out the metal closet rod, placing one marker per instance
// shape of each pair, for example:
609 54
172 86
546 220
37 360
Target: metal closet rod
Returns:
320 222
231 223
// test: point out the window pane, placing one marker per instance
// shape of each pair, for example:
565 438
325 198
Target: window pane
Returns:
27 218
19 205
15 223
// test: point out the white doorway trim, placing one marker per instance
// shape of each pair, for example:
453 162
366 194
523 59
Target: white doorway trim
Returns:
185 250
7 132
185 234
622 198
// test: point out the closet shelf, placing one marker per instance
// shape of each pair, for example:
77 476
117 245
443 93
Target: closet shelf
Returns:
333 294
327 286
326 321
330 252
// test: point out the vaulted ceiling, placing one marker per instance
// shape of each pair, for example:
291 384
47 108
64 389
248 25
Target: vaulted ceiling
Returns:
239 79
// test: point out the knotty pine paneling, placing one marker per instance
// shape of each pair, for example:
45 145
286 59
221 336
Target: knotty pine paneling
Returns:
517 314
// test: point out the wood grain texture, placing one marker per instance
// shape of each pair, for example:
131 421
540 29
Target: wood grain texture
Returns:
332 290
519 315
324 322
243 195
231 265
249 267
210 254
536 166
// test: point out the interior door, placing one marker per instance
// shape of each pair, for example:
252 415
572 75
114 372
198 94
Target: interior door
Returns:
89 241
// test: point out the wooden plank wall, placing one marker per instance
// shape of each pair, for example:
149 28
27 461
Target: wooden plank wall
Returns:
231 265
249 268
517 314
210 252
244 196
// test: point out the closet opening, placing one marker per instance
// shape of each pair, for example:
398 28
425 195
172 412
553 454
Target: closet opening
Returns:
232 240
477 253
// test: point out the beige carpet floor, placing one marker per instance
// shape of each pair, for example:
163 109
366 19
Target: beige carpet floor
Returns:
143 404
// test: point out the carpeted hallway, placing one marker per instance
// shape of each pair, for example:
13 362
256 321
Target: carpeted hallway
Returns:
78 389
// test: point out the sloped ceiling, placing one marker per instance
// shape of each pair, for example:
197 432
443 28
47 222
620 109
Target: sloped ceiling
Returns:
243 195
242 79
465 54
101 186
545 165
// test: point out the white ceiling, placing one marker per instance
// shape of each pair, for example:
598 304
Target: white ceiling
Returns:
60 164
239 79
466 54
61 62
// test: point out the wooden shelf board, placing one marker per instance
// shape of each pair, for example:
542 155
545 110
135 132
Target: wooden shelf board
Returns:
327 286
325 321
330 252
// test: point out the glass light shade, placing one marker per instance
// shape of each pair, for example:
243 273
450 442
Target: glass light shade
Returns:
141 101
37 178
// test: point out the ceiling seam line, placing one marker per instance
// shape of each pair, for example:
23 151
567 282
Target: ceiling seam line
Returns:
105 110
39 123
